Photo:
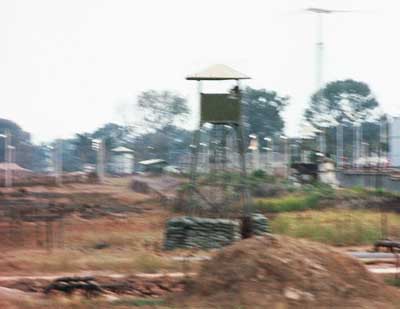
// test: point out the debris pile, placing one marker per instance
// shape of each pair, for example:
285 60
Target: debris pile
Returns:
88 285
206 233
281 272
98 286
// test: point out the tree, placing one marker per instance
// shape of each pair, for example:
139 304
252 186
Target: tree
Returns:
343 101
262 111
170 144
20 139
83 149
162 108
113 135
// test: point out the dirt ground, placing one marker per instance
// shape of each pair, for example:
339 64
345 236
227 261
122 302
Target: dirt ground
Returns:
282 272
108 231
112 234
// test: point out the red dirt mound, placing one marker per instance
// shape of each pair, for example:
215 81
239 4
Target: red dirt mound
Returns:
281 272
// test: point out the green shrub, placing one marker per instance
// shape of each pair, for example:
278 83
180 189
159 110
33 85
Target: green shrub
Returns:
259 174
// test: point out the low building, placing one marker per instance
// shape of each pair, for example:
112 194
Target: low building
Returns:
122 161
152 166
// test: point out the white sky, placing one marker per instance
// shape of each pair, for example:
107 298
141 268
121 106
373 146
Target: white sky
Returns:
66 65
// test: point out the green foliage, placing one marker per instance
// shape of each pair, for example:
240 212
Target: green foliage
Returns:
335 227
288 203
342 101
259 174
393 281
346 102
235 179
362 192
168 143
321 189
262 111
162 108
20 139
304 198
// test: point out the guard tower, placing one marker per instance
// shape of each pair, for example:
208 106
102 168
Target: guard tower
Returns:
222 114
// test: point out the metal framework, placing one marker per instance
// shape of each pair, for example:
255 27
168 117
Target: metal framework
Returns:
223 111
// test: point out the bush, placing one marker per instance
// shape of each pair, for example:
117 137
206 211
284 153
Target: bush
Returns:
259 174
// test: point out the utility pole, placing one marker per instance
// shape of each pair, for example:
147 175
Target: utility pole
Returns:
98 145
286 155
319 58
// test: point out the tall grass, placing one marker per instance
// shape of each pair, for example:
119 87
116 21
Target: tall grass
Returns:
304 198
362 192
287 203
336 227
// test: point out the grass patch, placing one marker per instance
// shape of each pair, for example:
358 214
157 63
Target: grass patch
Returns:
84 303
287 203
336 227
138 302
304 198
362 192
393 282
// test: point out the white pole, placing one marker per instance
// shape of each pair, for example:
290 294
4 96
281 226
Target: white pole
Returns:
272 156
58 162
100 161
339 146
287 158
8 175
319 52
5 158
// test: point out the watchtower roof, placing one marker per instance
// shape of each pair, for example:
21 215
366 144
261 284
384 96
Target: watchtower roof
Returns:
218 72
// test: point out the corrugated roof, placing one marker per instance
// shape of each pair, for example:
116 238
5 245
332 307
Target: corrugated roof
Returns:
122 149
217 72
152 161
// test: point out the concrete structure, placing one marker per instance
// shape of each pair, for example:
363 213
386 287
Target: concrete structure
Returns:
394 142
327 172
122 160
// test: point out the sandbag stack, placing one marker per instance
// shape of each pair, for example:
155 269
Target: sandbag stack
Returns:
259 224
204 233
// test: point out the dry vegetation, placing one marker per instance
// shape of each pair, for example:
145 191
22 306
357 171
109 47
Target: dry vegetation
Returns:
112 230
338 227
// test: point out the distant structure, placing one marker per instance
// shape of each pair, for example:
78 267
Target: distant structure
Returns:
394 142
154 166
122 160
224 113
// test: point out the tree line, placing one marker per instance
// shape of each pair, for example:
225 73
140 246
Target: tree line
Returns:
160 131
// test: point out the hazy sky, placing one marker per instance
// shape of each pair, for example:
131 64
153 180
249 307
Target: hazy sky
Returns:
66 65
